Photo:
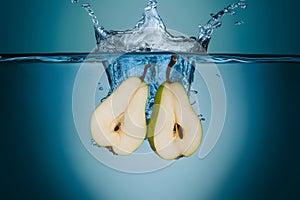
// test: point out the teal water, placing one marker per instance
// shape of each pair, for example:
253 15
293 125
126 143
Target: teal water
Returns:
256 156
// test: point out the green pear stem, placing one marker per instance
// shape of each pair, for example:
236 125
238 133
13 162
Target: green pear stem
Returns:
145 71
172 62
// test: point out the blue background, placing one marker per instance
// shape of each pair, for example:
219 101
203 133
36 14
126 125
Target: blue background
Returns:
257 156
271 26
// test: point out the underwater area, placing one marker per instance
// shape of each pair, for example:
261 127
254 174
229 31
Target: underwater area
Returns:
246 96
258 141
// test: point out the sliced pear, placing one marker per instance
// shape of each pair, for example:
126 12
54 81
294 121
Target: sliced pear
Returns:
174 130
119 123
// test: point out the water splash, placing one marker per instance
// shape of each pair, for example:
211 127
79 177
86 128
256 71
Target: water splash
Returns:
150 33
206 31
151 17
128 65
100 33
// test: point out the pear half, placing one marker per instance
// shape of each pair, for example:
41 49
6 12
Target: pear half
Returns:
174 130
119 123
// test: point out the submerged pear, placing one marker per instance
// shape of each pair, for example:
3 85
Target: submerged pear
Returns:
174 130
119 123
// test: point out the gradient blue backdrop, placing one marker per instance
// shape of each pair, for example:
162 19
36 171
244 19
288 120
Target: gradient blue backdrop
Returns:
271 26
257 156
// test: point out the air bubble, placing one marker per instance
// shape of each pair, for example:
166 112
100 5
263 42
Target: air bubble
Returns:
239 23
194 91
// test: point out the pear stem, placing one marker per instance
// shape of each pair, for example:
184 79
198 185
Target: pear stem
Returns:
172 62
145 71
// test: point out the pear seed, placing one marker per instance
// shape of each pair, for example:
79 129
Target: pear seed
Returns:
118 127
180 132
177 130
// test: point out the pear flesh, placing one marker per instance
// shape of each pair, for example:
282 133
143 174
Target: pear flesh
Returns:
174 130
119 123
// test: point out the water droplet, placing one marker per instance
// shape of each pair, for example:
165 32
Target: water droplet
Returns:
242 4
93 143
194 91
100 88
239 23
206 31
200 116
217 25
